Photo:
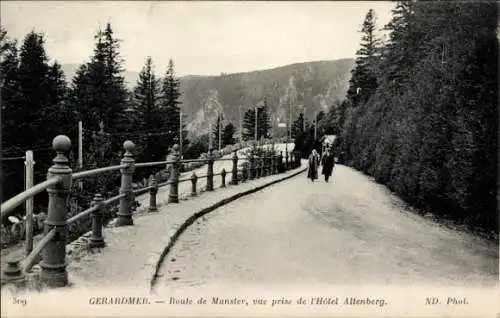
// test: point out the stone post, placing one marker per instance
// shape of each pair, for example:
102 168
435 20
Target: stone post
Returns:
210 172
96 240
152 194
173 196
125 211
234 174
53 264
13 273
223 176
194 178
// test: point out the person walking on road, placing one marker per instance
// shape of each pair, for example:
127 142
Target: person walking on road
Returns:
328 162
314 161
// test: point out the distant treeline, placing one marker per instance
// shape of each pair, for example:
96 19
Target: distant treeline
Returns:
421 113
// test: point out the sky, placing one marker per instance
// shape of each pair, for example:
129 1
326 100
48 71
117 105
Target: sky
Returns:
203 38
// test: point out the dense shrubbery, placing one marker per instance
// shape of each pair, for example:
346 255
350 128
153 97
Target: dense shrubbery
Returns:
421 112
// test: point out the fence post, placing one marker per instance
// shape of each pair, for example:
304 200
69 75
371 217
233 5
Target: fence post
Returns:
264 171
235 169
210 172
125 210
152 194
273 164
257 167
223 176
267 165
96 240
286 159
262 164
29 163
173 196
53 264
194 178
13 274
255 173
280 162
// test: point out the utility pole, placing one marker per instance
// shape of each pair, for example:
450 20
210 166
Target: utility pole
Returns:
180 133
29 173
241 126
210 138
219 122
315 124
256 122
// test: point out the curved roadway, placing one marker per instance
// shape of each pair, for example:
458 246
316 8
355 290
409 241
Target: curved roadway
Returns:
348 231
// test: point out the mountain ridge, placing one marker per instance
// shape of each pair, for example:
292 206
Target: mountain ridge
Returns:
316 85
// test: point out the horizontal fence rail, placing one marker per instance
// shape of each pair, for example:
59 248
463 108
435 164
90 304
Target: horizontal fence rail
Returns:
88 173
19 199
260 161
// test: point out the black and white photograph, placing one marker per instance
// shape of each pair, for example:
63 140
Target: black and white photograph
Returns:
249 158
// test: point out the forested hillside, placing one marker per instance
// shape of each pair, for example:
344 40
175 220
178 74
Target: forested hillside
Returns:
421 111
317 85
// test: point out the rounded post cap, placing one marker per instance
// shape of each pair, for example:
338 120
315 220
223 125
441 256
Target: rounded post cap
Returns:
14 260
128 146
61 143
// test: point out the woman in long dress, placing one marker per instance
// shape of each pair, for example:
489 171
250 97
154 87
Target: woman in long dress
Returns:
327 161
312 172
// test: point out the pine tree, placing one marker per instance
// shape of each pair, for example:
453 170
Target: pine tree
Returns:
33 93
11 113
216 128
404 43
299 126
228 135
170 103
363 81
263 121
149 115
99 97
60 115
33 90
9 79
249 124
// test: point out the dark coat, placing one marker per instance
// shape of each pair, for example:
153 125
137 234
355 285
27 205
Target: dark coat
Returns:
328 161
312 172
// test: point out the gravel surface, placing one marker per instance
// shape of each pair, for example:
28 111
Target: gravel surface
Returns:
348 231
